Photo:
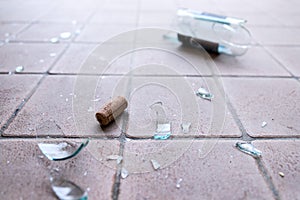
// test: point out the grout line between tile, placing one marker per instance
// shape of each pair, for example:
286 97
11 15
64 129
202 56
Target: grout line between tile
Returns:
245 135
280 63
154 75
117 181
268 178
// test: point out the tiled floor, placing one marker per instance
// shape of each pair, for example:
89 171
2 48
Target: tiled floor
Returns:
64 83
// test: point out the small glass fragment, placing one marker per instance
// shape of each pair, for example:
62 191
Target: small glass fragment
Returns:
155 164
54 40
91 109
52 54
263 124
163 131
61 151
98 99
178 183
65 189
115 157
77 31
65 35
160 112
204 94
281 174
42 60
124 173
19 68
248 148
185 127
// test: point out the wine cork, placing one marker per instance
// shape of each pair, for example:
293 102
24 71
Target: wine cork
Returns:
111 110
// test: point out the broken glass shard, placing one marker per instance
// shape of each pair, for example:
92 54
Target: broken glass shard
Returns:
248 149
54 40
91 109
52 54
178 183
163 131
124 173
204 94
159 111
19 68
62 150
65 35
263 124
77 32
185 127
115 157
155 164
98 99
67 190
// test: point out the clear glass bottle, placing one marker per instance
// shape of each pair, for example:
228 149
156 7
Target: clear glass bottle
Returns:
227 35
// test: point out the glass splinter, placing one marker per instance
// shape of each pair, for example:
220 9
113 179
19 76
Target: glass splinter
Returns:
115 157
61 151
65 189
185 127
124 173
65 35
248 149
163 131
178 183
263 124
155 164
204 94
19 68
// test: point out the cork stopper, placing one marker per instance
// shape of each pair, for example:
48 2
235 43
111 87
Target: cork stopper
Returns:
111 110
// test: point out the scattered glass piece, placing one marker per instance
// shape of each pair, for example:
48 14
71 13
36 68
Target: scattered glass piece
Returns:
281 174
96 99
74 22
68 190
42 60
85 173
263 124
65 35
91 109
54 40
61 151
67 99
115 157
178 183
10 73
163 131
155 164
77 31
52 54
124 173
248 148
159 111
204 94
19 68
185 127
